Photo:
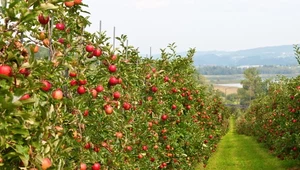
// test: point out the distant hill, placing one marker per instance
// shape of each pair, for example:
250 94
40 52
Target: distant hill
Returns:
274 55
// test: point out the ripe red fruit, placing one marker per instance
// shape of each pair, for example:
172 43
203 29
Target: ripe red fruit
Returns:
82 82
57 94
24 71
69 3
119 135
99 88
87 146
86 113
174 107
145 147
60 26
112 68
114 57
166 79
108 109
117 95
94 93
154 89
77 2
46 163
128 148
72 74
73 82
97 52
5 70
96 149
152 159
113 81
140 156
43 20
83 166
81 90
61 40
96 166
126 106
25 97
89 48
210 136
120 81
164 117
46 85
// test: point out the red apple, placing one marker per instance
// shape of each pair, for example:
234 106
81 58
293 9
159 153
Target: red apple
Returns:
82 82
72 74
86 113
89 48
83 166
87 146
108 109
117 95
73 82
119 135
140 156
69 4
24 71
126 106
112 68
43 20
77 2
61 40
113 81
60 26
164 117
114 57
166 79
128 148
97 52
46 85
5 70
81 90
174 107
57 94
154 89
94 93
96 166
99 88
145 147
46 163
25 97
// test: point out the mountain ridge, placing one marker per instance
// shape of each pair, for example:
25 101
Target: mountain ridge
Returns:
269 55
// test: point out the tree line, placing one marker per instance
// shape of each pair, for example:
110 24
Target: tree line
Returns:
265 69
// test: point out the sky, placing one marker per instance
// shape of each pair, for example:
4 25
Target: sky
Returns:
206 25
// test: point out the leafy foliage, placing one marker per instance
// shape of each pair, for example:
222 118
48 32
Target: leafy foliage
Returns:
141 129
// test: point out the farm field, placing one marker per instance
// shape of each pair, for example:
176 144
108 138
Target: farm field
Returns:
236 78
226 89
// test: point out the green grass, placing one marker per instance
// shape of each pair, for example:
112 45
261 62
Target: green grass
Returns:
240 152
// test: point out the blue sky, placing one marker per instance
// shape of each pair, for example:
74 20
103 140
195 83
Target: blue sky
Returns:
204 24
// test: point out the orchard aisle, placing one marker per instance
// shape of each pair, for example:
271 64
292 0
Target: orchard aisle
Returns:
240 152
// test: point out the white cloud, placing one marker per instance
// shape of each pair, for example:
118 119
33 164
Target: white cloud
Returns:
151 4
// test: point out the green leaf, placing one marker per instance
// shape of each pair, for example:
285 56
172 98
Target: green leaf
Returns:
48 6
18 130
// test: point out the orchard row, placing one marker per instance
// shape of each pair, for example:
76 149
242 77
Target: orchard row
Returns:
274 119
70 100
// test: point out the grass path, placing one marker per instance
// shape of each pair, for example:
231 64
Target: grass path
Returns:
240 152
